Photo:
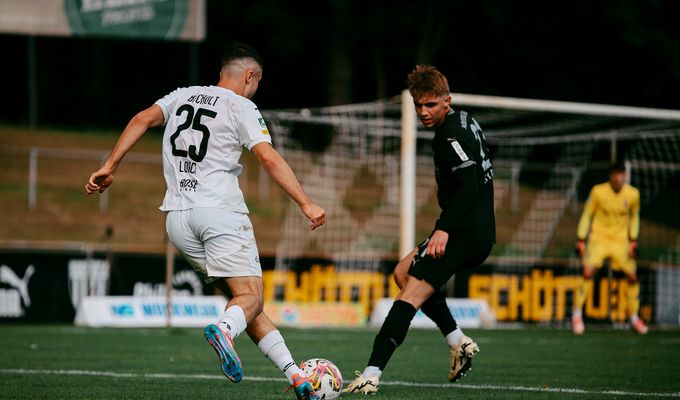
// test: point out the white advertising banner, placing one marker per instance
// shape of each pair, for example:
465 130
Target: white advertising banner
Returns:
468 313
129 311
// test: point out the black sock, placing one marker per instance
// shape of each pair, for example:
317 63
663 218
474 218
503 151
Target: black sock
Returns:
435 307
392 333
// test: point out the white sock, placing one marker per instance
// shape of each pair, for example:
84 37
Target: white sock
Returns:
371 371
576 313
233 321
634 318
454 338
274 347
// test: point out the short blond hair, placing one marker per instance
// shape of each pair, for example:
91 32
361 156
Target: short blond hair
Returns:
426 81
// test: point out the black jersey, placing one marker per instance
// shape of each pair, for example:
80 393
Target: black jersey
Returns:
464 179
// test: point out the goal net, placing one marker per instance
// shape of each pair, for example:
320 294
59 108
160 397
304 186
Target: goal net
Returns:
370 166
347 158
546 156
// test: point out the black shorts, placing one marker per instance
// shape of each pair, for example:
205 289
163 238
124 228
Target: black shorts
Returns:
460 254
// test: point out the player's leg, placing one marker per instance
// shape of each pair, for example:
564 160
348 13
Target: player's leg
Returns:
625 262
424 277
231 254
272 345
592 259
245 302
401 270
461 347
392 334
581 293
633 297
269 340
220 246
435 306
459 256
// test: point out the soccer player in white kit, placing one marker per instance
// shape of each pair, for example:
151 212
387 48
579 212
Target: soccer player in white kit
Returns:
206 129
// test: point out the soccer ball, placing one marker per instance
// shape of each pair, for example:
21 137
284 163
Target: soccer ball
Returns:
324 377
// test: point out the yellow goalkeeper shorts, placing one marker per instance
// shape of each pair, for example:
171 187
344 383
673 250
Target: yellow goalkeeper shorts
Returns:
618 252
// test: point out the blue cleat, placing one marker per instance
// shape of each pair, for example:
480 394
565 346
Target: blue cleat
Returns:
224 347
303 389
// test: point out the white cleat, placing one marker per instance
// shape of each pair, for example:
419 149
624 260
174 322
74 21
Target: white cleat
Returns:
470 348
461 358
363 384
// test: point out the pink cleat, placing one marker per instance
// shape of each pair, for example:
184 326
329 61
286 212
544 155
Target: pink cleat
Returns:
577 325
639 326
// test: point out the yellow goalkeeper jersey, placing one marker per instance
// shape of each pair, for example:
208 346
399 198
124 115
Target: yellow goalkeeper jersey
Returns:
614 216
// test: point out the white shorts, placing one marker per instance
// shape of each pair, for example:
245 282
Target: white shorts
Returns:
217 243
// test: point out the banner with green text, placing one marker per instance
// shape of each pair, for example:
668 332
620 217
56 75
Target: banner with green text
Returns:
147 19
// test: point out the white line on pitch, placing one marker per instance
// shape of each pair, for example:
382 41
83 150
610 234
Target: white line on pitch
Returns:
110 374
531 389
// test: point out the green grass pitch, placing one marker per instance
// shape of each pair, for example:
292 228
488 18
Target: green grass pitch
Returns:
65 362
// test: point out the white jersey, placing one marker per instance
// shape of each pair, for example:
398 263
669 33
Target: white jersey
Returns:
206 129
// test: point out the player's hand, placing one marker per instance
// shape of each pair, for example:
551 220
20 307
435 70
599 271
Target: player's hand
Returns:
632 249
316 215
436 246
580 248
99 181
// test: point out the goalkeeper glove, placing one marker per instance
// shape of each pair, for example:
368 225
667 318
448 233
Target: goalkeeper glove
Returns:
632 249
580 248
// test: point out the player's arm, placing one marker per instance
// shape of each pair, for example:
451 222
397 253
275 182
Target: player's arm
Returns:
283 175
634 228
135 129
584 222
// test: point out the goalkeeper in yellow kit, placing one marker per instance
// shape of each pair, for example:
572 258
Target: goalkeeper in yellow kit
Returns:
611 223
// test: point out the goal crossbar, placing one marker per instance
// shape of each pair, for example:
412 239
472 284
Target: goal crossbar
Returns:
564 107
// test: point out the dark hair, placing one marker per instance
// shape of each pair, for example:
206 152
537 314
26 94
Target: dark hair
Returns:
237 50
617 166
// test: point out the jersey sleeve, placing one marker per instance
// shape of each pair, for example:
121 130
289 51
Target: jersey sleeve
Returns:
634 229
167 103
587 216
460 158
252 129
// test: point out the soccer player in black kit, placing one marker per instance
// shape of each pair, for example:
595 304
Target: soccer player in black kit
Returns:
462 237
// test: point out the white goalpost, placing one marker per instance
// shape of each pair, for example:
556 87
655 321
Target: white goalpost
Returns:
407 210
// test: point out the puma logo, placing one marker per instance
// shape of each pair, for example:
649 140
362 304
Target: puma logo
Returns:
8 276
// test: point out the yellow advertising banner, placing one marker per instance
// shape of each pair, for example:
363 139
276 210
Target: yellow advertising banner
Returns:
541 296
317 314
